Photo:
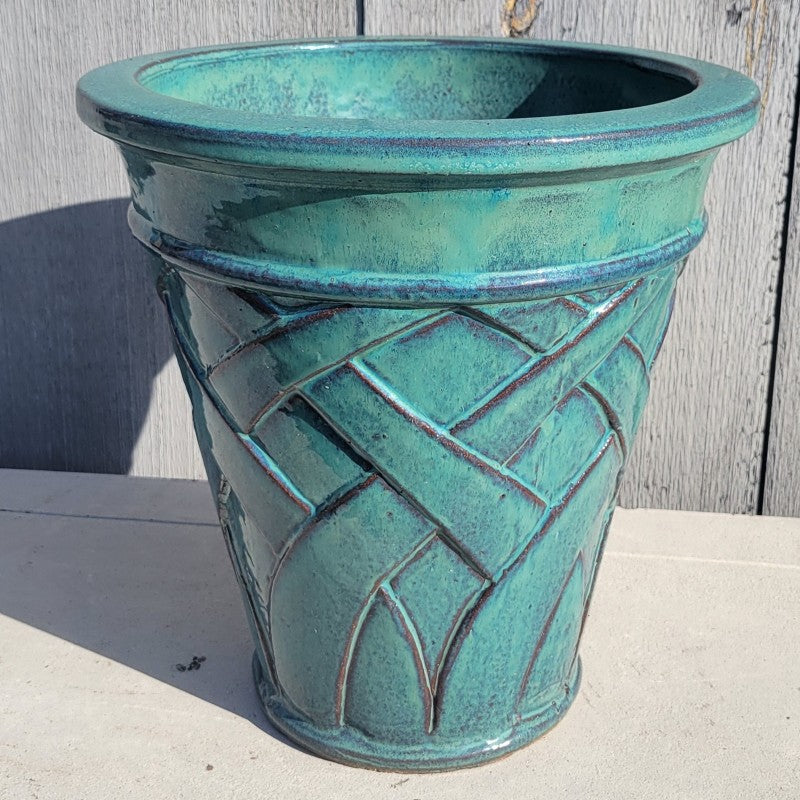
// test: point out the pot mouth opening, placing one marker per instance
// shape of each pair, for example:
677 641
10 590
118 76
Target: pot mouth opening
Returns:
418 107
403 81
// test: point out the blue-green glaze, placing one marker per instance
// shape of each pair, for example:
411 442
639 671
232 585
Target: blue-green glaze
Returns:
416 289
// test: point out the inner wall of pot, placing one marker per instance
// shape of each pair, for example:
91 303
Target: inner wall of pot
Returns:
408 81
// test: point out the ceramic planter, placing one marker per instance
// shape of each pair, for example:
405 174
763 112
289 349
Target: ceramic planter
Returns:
416 289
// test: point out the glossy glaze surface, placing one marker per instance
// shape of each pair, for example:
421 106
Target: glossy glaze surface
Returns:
721 105
417 363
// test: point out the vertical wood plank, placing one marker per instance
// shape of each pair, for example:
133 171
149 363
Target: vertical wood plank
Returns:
86 374
782 474
701 442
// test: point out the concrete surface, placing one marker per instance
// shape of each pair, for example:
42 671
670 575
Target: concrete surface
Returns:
691 661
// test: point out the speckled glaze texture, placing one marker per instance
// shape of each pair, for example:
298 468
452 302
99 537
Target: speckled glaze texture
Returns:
417 288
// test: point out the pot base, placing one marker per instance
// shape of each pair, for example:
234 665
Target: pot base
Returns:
350 746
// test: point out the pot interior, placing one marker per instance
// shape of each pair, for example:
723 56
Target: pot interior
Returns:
413 80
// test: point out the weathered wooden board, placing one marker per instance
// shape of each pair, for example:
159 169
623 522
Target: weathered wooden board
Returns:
702 438
782 478
87 377
87 381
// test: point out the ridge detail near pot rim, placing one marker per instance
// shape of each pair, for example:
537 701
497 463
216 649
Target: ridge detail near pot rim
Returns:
416 289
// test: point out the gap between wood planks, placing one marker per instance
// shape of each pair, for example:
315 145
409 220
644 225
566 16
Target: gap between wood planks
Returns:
773 363
359 17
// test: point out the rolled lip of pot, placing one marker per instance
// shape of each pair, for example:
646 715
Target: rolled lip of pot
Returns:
722 105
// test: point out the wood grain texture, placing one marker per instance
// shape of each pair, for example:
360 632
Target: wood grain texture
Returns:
88 381
700 445
782 475
87 375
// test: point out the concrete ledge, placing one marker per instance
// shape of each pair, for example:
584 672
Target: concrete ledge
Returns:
691 660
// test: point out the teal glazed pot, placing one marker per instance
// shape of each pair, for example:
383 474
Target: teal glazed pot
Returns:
417 288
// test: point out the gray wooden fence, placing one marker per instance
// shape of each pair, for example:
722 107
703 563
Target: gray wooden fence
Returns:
87 381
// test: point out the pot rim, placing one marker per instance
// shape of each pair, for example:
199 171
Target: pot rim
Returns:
722 106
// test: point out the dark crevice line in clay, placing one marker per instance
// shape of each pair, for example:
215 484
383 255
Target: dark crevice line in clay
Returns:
526 676
530 440
181 336
459 617
263 303
456 643
334 501
443 531
284 326
264 460
265 641
297 385
440 435
455 425
420 331
263 333
550 358
450 541
417 556
636 350
189 357
387 477
498 327
308 525
610 414
556 510
211 310
353 634
566 346
549 520
357 625
583 301
776 314
250 447
655 300
266 331
572 304
665 320
411 635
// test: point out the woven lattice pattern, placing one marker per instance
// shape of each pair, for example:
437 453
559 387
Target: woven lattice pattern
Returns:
415 499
